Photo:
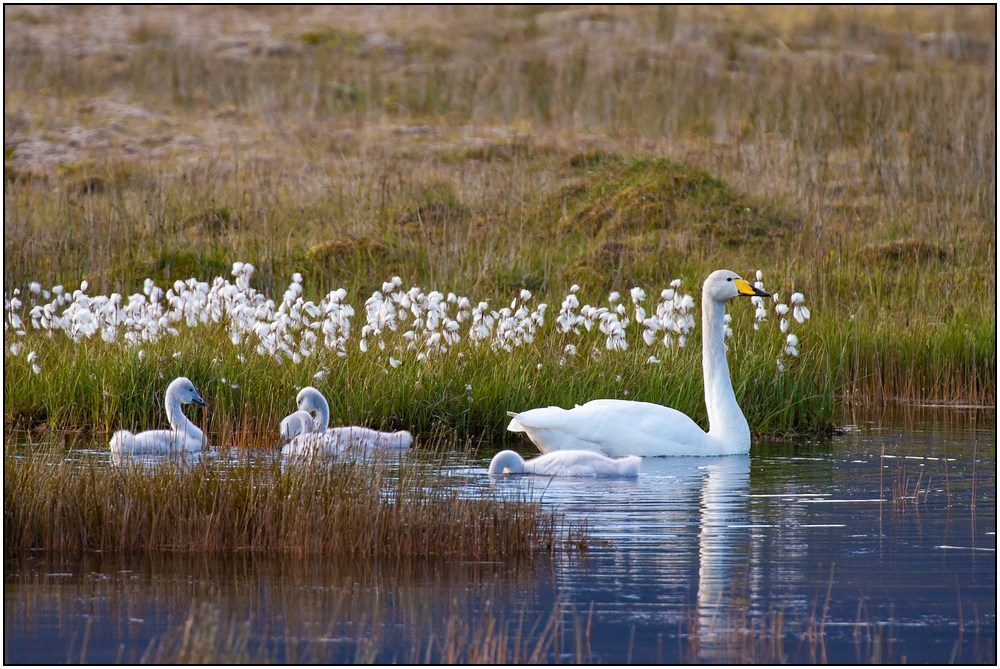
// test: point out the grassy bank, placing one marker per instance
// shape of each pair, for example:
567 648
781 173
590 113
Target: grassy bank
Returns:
846 151
411 376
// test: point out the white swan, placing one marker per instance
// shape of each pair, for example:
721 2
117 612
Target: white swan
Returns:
622 427
565 463
299 430
183 435
321 440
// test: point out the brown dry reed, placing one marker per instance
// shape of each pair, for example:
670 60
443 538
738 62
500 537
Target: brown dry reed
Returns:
205 636
343 509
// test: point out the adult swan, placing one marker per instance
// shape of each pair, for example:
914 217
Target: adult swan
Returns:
621 427
183 435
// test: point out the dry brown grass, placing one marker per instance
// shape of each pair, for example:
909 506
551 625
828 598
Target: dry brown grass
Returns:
346 509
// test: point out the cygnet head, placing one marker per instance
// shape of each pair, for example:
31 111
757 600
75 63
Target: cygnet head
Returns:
309 399
296 423
723 285
183 390
506 461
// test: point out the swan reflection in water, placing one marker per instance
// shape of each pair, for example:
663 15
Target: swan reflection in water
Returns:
678 533
723 554
152 460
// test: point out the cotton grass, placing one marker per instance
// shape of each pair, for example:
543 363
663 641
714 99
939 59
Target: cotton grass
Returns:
396 322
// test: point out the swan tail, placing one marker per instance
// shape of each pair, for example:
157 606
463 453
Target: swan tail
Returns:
544 417
514 425
122 441
394 441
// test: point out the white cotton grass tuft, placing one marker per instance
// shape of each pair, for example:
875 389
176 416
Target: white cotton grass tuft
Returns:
801 313
792 345
396 324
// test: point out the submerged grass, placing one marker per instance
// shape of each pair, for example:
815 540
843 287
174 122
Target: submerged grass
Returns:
345 509
736 636
206 637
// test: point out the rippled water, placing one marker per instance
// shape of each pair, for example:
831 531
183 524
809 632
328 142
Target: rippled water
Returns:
878 544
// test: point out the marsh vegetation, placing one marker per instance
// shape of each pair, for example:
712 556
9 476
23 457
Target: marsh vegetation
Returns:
507 155
365 508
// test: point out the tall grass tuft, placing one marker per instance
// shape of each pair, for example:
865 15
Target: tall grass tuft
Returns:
343 509
205 637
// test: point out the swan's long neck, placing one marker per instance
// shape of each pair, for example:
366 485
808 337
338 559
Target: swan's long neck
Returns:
507 460
725 419
322 412
178 421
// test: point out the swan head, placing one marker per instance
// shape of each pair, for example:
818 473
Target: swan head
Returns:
504 462
183 389
723 285
309 399
296 423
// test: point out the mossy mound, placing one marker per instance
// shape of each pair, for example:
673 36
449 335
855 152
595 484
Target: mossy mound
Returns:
644 195
171 264
632 216
341 249
903 250
433 205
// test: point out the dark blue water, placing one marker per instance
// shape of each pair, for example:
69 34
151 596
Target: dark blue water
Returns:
878 545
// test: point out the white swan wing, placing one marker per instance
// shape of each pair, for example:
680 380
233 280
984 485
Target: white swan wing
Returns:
615 428
155 442
583 463
366 439
312 444
336 441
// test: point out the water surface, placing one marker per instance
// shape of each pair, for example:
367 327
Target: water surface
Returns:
876 545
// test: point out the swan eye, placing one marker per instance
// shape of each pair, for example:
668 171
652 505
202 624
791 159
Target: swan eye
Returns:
729 278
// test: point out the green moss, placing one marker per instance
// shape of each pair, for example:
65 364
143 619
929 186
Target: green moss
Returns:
645 194
343 40
176 262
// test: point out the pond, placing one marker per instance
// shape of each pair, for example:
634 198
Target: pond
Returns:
876 545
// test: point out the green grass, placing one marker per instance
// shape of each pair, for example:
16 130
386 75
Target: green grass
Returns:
467 389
